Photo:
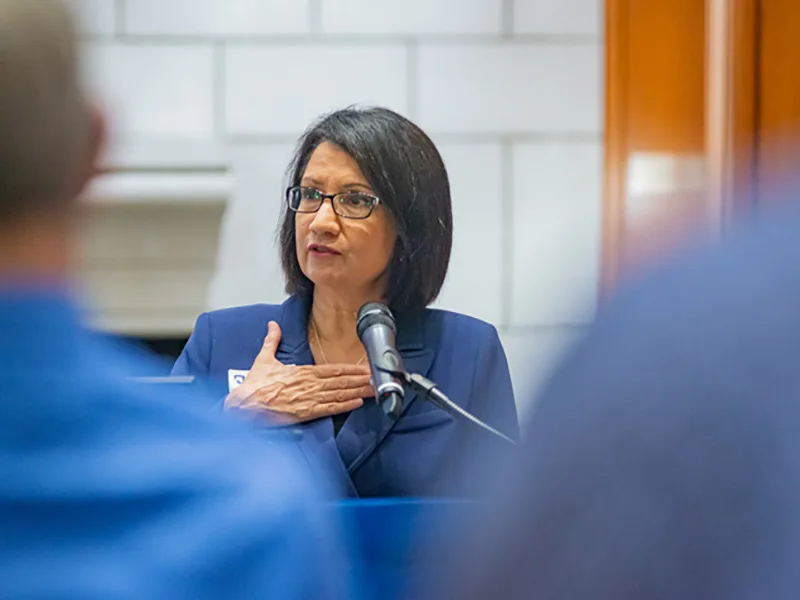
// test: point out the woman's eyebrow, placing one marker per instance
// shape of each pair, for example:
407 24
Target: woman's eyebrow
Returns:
357 184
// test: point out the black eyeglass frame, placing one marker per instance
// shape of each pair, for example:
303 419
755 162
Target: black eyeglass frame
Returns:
331 197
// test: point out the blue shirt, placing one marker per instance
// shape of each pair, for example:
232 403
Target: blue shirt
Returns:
111 490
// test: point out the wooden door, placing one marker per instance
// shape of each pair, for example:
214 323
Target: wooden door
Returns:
702 120
777 95
655 128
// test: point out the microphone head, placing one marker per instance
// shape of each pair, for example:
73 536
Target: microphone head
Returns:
374 313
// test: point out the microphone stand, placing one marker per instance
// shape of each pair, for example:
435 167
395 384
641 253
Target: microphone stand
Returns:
438 398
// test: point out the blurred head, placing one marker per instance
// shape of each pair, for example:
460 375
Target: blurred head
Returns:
368 210
49 135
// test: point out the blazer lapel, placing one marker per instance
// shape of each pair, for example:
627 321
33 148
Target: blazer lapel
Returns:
294 331
367 428
316 438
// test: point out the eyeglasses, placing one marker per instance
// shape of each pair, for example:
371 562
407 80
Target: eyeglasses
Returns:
350 205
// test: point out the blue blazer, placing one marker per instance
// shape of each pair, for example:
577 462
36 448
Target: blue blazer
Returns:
425 451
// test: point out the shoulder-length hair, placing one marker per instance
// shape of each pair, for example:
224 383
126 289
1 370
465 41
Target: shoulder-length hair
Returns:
406 171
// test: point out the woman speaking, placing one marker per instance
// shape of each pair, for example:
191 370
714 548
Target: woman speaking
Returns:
367 218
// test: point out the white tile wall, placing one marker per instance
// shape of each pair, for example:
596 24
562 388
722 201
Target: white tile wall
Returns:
474 284
556 229
215 17
511 90
155 90
249 268
412 16
532 355
558 16
96 17
281 89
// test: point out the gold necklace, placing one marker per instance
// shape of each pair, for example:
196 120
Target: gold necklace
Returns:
317 340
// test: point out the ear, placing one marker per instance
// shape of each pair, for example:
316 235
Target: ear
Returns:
98 133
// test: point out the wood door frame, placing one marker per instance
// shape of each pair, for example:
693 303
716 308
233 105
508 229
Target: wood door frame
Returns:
615 160
732 84
732 80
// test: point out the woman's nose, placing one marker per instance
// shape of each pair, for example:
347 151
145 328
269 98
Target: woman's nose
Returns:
325 219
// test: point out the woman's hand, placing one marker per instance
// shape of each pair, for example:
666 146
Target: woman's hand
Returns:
293 394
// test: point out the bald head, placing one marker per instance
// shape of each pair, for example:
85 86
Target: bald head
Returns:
46 133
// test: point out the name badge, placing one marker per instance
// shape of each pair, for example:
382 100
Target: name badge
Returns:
235 378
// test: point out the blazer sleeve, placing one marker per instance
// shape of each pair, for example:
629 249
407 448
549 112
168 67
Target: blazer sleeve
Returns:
475 454
493 395
195 358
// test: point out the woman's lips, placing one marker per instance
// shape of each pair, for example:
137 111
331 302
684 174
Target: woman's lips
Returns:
320 250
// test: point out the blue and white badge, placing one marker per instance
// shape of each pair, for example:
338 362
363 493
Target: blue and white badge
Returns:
235 378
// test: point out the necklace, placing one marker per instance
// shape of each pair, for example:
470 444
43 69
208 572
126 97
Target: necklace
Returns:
315 333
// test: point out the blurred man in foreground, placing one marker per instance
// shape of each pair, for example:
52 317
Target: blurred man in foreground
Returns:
663 461
105 490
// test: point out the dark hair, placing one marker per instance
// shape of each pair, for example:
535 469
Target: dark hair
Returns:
406 171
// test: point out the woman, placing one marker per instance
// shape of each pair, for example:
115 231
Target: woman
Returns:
367 217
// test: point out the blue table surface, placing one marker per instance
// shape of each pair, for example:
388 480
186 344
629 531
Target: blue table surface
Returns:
400 543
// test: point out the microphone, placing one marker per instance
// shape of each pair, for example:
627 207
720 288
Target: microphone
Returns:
433 394
377 329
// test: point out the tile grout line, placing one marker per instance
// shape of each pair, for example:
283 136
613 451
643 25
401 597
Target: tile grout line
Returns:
332 39
119 18
507 23
412 79
314 16
507 240
219 92
451 138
